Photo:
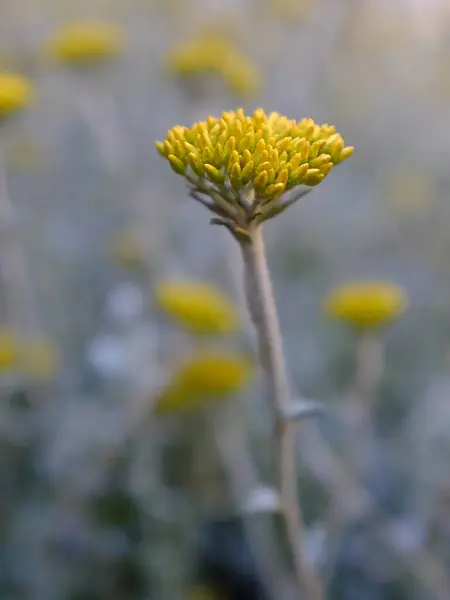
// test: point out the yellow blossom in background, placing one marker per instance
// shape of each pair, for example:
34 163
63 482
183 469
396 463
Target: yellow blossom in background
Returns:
38 359
212 52
86 42
290 9
246 163
8 350
16 93
208 375
127 250
241 74
199 307
366 304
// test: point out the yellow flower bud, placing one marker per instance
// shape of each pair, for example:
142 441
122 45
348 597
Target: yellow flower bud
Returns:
235 176
297 175
214 174
247 172
319 161
260 181
346 153
313 177
274 191
176 164
196 164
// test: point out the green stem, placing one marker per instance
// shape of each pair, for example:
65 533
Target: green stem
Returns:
263 312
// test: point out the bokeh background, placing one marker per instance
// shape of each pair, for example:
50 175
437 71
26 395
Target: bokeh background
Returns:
100 499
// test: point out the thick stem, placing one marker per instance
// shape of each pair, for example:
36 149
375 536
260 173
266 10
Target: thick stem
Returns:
263 313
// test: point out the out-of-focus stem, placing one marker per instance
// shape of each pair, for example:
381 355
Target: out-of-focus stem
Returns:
231 442
363 396
262 309
99 110
20 308
370 364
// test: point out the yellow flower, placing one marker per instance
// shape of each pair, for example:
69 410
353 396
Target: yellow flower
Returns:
86 42
197 306
241 74
290 9
15 93
366 304
211 52
127 251
38 358
246 164
8 350
204 53
205 376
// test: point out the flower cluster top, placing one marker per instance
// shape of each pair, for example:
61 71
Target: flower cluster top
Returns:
268 151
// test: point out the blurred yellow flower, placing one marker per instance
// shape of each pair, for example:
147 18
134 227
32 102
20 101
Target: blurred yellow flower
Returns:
366 304
127 250
290 9
8 350
86 42
241 74
38 358
212 52
15 93
205 376
198 306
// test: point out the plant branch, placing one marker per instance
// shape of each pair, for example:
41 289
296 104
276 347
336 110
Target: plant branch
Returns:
263 313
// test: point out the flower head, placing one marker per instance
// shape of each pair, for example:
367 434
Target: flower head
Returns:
197 306
366 304
15 93
205 376
86 42
246 164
